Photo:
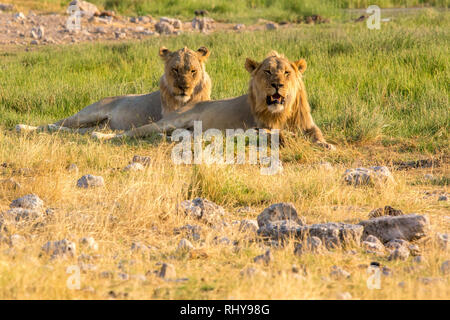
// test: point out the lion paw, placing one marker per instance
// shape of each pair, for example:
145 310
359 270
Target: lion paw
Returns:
327 146
103 136
21 128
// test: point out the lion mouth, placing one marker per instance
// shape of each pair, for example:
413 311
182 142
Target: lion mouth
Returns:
275 99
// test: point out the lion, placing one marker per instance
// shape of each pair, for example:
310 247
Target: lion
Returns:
276 99
185 81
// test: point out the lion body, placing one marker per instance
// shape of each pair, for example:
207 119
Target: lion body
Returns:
190 84
250 110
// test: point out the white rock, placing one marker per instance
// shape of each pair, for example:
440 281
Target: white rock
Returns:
185 245
29 201
134 166
89 181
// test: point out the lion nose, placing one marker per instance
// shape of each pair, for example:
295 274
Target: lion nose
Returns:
183 87
277 85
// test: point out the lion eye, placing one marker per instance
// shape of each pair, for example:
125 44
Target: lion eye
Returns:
194 71
175 70
267 71
287 73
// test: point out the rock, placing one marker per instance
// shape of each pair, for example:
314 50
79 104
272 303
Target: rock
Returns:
120 35
387 272
278 212
164 28
313 245
443 198
21 214
203 209
89 243
10 183
34 42
38 32
222 241
419 259
87 9
428 177
7 7
123 276
367 176
100 30
106 275
203 24
134 166
239 26
145 161
193 231
386 211
167 271
338 273
140 247
185 245
445 267
343 296
251 272
373 245
29 201
265 258
247 225
443 241
90 181
73 168
402 253
271 26
414 249
144 19
16 240
407 227
19 16
397 243
173 22
63 248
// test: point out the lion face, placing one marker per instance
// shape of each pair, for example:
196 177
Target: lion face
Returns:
184 71
275 82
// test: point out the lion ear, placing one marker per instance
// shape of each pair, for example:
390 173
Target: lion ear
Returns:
164 52
301 65
251 65
203 53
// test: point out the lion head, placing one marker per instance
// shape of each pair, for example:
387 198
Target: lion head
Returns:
277 93
185 79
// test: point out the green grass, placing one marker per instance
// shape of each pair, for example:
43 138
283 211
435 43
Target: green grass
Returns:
231 10
364 85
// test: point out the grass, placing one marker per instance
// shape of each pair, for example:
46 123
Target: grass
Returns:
381 96
229 10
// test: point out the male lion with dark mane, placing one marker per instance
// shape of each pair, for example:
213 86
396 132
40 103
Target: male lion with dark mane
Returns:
277 99
184 81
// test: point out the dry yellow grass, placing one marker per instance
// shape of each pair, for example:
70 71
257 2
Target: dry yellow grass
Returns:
142 207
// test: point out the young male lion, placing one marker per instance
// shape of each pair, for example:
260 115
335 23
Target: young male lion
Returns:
184 81
277 99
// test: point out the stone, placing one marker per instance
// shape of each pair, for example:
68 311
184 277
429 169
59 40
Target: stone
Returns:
167 271
250 272
367 176
386 211
442 198
401 253
343 296
34 42
419 259
62 248
90 181
248 225
7 7
443 241
144 160
407 227
38 32
100 30
265 258
134 166
106 275
277 212
239 26
373 245
203 24
89 243
193 231
120 35
177 24
164 28
203 209
271 26
16 240
19 16
73 168
87 9
29 201
140 247
185 245
222 240
445 267
21 214
338 273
